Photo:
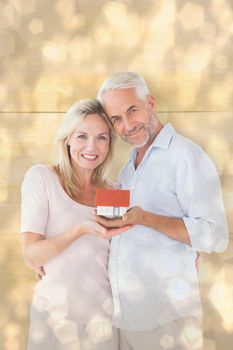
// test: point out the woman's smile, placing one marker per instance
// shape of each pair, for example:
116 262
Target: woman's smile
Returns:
89 156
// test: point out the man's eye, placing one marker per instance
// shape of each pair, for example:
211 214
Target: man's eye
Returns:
133 110
115 120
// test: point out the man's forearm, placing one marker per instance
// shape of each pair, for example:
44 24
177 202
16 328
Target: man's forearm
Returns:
170 226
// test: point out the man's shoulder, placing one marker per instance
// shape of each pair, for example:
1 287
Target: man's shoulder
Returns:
186 145
187 151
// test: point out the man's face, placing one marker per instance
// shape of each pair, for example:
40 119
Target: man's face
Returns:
133 119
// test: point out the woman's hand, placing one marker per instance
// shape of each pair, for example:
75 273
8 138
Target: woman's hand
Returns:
97 229
93 228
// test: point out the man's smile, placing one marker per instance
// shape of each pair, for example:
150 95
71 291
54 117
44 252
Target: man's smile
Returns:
135 132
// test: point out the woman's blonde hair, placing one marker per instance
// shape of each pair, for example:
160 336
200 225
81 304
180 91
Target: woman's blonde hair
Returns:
72 119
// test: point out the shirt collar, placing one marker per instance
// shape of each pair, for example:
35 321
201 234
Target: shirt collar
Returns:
162 140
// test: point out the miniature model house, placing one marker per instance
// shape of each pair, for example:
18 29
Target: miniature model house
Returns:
112 203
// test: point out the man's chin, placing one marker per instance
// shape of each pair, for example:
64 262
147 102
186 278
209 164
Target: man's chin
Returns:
139 143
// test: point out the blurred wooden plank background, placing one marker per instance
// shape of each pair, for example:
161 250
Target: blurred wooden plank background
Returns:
54 53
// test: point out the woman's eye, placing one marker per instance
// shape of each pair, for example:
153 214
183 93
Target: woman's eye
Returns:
82 137
103 138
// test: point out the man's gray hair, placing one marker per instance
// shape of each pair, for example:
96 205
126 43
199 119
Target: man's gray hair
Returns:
124 80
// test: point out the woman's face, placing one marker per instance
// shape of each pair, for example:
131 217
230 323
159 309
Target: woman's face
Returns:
89 143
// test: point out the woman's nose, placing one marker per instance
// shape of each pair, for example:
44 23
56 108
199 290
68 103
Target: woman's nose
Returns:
91 142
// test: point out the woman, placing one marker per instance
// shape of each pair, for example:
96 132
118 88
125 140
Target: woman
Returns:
72 304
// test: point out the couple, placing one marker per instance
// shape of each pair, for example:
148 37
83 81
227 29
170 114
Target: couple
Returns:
152 299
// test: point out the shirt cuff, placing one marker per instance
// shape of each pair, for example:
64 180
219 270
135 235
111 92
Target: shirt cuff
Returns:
199 233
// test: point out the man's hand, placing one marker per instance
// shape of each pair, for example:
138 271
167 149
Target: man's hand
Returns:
132 217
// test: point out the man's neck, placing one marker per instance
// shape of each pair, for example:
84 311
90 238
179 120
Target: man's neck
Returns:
142 150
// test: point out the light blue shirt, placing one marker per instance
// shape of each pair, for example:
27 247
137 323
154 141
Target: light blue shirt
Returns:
153 277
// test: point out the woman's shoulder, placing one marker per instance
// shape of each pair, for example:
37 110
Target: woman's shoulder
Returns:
39 177
41 171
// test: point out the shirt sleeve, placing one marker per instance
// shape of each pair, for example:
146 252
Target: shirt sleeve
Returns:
34 202
200 196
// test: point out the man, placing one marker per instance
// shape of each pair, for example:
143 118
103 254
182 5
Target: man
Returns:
176 210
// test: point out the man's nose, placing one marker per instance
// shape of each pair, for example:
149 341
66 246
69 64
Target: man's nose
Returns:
127 124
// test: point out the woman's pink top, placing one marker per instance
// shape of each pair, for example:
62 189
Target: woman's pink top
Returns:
76 285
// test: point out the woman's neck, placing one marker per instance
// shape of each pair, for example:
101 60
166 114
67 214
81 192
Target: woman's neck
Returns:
83 177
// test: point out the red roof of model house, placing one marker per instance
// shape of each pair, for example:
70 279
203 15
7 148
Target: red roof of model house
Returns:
112 198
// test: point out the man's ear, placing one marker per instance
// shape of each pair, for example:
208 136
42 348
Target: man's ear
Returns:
151 103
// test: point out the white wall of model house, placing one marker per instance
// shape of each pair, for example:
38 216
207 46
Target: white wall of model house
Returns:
111 211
